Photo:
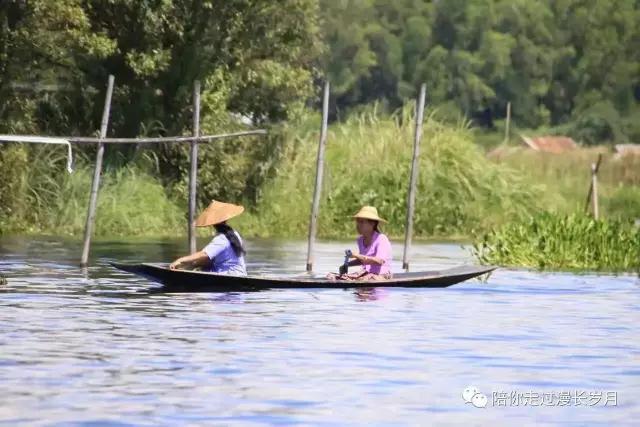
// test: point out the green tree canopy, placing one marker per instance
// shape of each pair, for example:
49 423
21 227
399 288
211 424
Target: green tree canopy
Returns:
556 61
553 59
256 59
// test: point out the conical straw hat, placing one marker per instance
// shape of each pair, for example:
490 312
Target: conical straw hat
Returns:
218 212
369 212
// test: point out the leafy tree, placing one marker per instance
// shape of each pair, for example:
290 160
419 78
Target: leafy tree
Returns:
259 53
552 59
256 59
44 46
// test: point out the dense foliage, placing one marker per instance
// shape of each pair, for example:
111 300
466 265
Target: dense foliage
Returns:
560 242
255 57
570 66
368 163
556 61
256 61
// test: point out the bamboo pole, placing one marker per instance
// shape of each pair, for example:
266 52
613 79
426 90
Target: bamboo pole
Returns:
589 200
508 123
594 187
154 140
193 173
414 176
313 227
169 139
95 184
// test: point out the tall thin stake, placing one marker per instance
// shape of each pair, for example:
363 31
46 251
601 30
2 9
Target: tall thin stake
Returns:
193 173
594 171
414 176
313 221
594 192
95 184
508 123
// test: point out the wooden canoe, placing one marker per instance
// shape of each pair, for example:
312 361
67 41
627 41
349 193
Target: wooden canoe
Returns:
200 281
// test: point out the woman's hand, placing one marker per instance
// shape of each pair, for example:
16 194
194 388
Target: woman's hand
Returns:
175 264
361 258
194 260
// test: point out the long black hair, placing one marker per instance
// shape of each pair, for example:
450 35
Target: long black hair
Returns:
230 234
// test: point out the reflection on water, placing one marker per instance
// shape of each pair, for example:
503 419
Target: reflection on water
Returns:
98 349
369 294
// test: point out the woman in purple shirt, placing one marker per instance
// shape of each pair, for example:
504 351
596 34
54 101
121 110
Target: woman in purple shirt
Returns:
225 253
374 249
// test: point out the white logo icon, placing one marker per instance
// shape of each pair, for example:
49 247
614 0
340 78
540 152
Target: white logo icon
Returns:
472 395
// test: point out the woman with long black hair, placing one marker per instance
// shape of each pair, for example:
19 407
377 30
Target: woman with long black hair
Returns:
225 253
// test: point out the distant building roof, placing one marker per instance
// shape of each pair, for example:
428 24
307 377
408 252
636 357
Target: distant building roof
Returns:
550 144
627 149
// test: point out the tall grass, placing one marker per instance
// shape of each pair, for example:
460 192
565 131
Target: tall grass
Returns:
45 199
563 242
368 162
566 178
13 162
368 158
130 203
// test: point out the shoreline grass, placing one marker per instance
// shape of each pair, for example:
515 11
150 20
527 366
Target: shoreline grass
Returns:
368 161
462 194
563 242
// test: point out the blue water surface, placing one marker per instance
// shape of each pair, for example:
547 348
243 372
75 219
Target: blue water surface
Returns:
94 348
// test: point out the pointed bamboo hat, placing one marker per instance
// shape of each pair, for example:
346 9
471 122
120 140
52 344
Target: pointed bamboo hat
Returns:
369 212
218 212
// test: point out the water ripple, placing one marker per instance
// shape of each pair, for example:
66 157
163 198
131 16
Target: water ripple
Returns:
96 348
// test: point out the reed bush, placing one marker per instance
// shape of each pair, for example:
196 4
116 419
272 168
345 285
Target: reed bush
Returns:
38 196
13 184
563 242
367 162
130 203
566 178
368 158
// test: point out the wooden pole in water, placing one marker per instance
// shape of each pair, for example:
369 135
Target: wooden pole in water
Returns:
414 176
95 184
313 227
590 195
594 192
508 123
194 167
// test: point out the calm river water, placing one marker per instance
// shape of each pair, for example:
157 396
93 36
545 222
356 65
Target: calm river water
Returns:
97 349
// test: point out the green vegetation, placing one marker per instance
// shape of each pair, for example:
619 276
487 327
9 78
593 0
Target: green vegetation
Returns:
562 239
256 61
460 191
131 202
566 179
254 58
572 65
559 242
568 67
368 161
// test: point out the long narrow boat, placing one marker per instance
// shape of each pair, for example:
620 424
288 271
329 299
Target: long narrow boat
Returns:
199 281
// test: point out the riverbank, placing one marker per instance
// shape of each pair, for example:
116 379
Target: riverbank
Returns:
462 191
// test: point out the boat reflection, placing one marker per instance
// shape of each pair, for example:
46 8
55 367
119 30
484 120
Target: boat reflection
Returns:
369 294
